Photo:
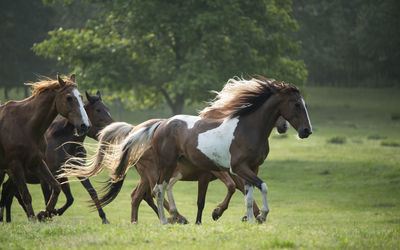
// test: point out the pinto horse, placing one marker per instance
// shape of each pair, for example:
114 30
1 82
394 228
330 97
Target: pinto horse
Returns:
229 135
184 172
62 143
22 148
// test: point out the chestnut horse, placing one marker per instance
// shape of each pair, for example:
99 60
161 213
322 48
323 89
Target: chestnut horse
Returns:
229 135
185 171
58 151
22 148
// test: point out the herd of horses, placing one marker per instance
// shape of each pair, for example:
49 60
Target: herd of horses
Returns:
228 141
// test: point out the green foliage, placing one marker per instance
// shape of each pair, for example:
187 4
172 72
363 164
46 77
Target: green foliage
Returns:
350 42
178 51
337 140
390 143
395 117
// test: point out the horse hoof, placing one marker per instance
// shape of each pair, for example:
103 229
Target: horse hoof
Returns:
43 216
244 218
261 219
215 214
105 221
183 220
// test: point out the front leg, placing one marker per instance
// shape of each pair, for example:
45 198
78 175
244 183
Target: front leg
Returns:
46 176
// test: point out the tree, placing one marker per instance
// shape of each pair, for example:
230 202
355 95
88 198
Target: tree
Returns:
176 51
22 23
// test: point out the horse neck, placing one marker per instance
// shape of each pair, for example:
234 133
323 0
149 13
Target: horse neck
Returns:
265 117
43 112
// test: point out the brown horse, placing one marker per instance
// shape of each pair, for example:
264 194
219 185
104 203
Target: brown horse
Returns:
229 135
22 148
185 171
58 151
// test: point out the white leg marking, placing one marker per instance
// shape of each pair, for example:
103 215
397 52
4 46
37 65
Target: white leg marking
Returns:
264 191
172 204
249 202
215 143
85 118
159 191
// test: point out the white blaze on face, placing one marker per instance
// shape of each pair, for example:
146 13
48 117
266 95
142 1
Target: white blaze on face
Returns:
85 118
215 143
189 119
308 118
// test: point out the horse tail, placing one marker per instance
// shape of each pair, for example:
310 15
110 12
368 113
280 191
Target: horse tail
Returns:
109 139
133 147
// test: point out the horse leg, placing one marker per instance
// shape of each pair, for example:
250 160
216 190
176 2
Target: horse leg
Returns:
173 211
137 197
68 195
239 182
93 194
252 180
17 176
202 186
230 185
7 195
46 176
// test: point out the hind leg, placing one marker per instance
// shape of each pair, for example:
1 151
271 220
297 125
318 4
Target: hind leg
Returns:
137 197
17 176
230 185
93 194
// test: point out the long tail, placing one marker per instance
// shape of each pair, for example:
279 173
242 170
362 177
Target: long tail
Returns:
109 137
133 148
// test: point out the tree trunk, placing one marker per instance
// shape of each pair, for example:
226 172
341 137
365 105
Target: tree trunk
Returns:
6 97
175 105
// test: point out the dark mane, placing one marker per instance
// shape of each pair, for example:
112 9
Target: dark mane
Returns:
240 97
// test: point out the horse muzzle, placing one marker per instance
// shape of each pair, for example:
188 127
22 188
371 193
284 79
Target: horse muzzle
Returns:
82 129
304 133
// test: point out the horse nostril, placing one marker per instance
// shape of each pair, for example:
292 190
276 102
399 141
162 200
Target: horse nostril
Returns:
84 127
307 131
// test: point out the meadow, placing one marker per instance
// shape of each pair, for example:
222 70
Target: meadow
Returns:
338 189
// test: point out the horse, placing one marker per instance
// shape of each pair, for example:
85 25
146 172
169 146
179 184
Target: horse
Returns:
231 134
23 145
62 143
185 171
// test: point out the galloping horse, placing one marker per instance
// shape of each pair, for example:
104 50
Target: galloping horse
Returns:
229 135
185 171
62 143
23 145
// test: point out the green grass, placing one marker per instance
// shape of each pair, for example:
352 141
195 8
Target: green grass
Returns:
321 195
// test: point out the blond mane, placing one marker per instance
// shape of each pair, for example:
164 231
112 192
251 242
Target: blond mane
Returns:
47 83
240 96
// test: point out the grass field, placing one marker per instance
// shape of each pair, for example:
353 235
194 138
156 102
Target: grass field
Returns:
340 188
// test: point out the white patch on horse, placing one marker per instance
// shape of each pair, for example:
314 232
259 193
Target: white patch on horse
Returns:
189 119
85 118
215 143
308 118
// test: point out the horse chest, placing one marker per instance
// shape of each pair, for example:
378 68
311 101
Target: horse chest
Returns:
215 143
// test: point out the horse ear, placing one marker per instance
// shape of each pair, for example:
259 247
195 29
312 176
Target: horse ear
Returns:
73 77
99 95
60 81
89 97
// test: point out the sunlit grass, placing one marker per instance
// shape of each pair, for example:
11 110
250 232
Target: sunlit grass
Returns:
321 195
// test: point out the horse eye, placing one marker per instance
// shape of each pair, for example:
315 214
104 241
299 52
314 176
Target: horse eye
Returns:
98 110
69 98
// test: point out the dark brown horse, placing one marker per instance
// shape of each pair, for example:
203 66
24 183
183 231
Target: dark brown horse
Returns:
62 143
229 135
22 142
185 171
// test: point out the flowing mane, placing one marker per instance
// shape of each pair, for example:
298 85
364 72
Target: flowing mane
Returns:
240 97
48 83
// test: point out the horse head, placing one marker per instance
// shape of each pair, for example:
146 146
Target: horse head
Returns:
98 112
69 104
293 108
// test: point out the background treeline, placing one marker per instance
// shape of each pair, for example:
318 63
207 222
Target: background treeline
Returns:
171 51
